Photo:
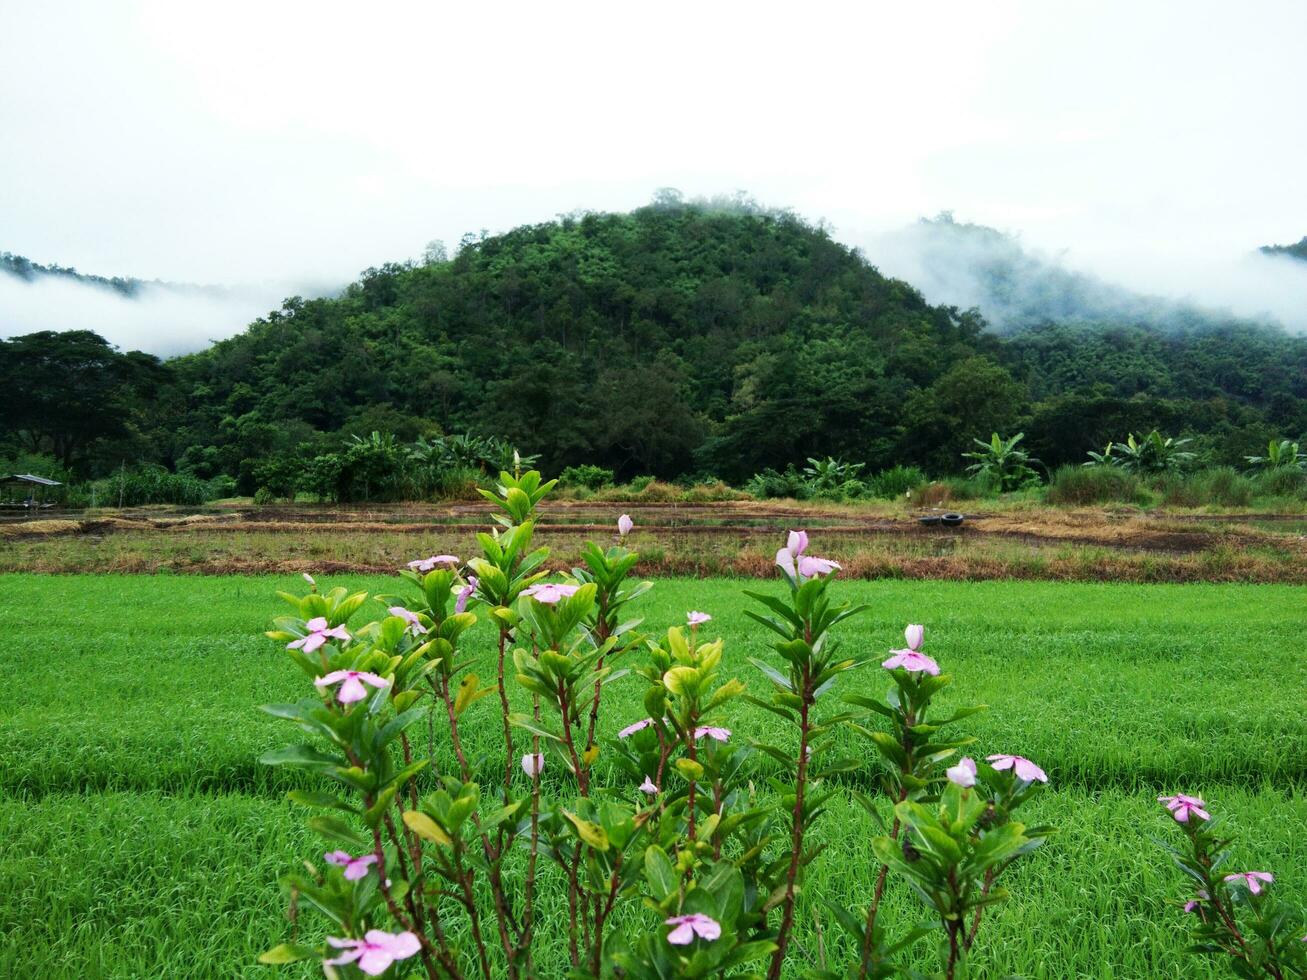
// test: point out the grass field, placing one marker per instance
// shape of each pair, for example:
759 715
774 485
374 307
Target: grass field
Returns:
140 837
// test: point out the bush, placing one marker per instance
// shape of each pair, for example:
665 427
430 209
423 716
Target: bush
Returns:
458 483
1226 486
707 493
1281 482
1083 485
1222 486
771 485
263 496
149 485
895 482
587 476
222 486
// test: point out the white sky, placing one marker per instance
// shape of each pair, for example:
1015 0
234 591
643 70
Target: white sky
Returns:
286 143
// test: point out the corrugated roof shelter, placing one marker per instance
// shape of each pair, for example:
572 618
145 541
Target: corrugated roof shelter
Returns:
25 490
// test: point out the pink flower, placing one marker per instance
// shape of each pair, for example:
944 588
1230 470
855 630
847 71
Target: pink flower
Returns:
624 525
1025 769
648 786
309 578
914 635
689 926
465 593
376 951
792 560
964 773
414 624
355 867
630 730
533 765
911 661
352 690
1182 807
720 734
550 592
427 564
1193 904
813 567
696 618
318 635
1253 879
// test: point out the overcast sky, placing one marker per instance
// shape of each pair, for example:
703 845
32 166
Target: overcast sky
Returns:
272 144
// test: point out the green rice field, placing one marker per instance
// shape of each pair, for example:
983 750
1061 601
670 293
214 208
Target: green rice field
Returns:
140 837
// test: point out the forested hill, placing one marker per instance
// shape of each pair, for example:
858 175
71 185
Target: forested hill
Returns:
1298 250
680 339
669 339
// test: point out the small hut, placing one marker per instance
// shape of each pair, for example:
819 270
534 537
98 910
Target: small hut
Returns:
26 491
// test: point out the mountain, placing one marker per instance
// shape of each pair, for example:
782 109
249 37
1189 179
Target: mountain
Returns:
719 338
1298 250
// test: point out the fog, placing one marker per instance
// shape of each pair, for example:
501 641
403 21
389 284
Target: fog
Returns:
158 318
969 265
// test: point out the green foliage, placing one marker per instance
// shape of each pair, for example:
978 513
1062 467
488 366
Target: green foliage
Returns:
1154 453
1281 454
1080 486
586 476
896 482
1002 464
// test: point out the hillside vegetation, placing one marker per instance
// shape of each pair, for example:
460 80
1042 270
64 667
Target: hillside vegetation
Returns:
686 339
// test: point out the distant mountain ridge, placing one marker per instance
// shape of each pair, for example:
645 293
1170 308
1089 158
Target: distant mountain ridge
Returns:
1298 250
130 287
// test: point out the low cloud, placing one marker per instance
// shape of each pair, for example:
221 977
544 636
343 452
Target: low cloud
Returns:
160 318
968 265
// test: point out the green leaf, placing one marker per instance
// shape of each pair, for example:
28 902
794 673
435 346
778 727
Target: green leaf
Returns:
426 828
659 872
594 835
286 953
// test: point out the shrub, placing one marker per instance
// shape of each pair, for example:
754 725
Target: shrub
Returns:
150 485
263 496
771 485
1083 485
1283 481
222 486
458 483
1225 486
895 482
587 476
658 492
661 862
707 493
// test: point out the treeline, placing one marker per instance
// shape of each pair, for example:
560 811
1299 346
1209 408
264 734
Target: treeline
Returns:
709 341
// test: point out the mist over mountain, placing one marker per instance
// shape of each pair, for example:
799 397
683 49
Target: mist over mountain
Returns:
975 266
1298 250
164 318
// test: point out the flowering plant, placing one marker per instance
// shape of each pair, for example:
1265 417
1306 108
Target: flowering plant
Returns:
1235 914
435 861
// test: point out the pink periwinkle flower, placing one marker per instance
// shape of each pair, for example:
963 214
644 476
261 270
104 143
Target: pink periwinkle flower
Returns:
1182 807
414 624
964 773
355 867
792 560
1024 768
1194 903
352 689
319 634
550 592
648 786
720 734
914 634
465 593
1252 879
911 661
624 525
533 765
376 951
689 926
309 578
631 729
696 618
427 564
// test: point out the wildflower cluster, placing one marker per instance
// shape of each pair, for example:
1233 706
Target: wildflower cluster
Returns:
436 859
